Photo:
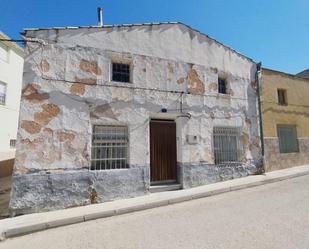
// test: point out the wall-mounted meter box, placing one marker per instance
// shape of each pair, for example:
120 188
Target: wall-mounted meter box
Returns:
192 139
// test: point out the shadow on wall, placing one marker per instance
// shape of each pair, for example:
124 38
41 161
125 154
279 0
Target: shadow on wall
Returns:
6 167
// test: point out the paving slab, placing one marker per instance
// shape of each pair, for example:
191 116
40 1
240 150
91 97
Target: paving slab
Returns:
30 223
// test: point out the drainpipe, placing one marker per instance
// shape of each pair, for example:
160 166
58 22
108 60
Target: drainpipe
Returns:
257 78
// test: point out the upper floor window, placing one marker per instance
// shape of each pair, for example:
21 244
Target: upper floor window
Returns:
121 72
4 52
12 143
2 93
282 98
222 86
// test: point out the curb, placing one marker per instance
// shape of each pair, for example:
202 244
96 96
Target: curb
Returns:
26 224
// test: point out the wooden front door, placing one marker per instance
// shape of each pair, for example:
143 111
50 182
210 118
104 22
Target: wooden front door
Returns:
163 165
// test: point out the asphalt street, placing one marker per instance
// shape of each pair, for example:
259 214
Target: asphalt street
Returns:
270 216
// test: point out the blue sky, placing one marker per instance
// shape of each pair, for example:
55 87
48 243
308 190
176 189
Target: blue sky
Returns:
275 32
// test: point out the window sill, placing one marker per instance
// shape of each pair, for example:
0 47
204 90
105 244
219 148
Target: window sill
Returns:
223 95
295 152
120 82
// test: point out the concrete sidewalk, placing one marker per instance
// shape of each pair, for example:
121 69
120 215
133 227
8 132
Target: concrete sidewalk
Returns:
35 222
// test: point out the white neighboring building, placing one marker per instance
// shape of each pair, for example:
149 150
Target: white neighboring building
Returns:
11 72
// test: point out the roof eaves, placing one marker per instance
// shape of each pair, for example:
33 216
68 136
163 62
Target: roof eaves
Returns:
144 24
104 26
285 74
13 45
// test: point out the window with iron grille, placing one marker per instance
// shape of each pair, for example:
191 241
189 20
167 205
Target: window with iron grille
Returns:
222 86
287 139
227 144
109 147
121 72
2 93
12 143
282 99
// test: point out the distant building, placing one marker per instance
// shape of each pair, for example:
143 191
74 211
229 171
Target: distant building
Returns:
304 74
11 71
285 112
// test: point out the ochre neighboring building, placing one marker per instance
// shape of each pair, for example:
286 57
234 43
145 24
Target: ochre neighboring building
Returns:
285 113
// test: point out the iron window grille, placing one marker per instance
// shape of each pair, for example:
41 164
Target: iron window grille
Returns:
282 99
222 86
121 72
109 147
12 143
2 93
287 136
227 145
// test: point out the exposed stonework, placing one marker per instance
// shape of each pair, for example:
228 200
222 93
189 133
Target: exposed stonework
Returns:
31 93
227 115
181 80
274 160
87 81
30 126
65 136
49 111
170 68
77 89
44 66
103 111
213 87
195 84
245 140
32 144
90 67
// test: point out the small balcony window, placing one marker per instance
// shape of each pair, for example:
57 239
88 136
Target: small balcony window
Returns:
222 88
282 98
12 143
2 93
121 72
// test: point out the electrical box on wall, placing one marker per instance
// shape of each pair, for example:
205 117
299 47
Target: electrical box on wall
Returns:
192 139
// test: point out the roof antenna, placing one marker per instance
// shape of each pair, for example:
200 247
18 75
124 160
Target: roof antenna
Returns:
100 17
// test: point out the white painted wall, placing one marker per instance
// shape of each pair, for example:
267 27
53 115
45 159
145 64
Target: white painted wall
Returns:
11 71
160 57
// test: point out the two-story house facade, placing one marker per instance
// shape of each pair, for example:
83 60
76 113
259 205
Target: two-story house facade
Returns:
110 112
11 71
285 112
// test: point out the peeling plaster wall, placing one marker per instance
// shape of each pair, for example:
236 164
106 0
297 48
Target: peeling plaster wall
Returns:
67 89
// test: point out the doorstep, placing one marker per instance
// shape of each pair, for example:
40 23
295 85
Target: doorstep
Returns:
164 187
30 223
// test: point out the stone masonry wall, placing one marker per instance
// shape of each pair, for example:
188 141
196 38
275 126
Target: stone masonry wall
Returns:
274 160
